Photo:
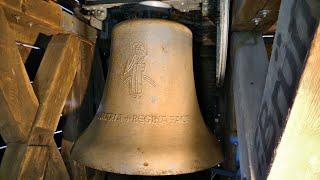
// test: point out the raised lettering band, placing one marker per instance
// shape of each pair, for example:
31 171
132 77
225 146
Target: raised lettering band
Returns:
142 118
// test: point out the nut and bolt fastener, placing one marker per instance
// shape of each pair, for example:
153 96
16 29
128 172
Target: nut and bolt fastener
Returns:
256 21
264 13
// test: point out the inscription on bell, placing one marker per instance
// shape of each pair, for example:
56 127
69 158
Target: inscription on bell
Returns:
151 119
134 73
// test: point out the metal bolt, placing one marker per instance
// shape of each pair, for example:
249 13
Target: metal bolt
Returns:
264 13
17 18
256 21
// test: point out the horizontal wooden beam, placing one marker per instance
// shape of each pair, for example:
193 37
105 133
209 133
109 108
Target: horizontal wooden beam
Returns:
44 17
245 11
51 85
18 102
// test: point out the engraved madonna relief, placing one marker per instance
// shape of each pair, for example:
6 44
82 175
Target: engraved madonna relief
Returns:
134 72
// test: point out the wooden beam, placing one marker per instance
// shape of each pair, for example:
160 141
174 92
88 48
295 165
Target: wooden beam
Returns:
244 11
18 103
71 24
297 24
298 155
55 168
17 155
19 106
249 70
44 17
22 34
24 53
52 85
46 12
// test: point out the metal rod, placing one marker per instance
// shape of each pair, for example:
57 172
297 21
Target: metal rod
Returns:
27 45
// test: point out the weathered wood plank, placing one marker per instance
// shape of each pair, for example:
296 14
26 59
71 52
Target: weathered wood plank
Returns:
18 154
24 53
298 155
45 17
73 25
46 12
18 103
297 23
55 168
249 70
14 4
22 34
52 85
246 10
30 160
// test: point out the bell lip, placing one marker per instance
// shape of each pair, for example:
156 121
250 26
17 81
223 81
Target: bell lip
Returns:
145 172
213 159
131 22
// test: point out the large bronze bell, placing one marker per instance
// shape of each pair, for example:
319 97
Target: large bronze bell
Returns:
149 122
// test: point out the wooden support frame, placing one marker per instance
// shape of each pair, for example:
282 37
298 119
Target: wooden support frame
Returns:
29 116
28 18
298 155
297 24
245 11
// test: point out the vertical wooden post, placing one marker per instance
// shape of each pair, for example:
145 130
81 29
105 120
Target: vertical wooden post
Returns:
81 109
52 85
